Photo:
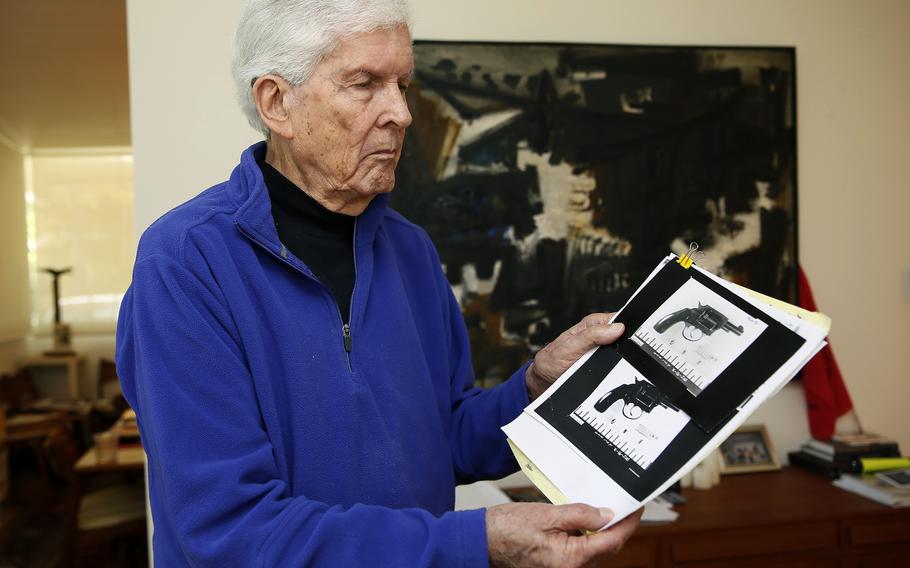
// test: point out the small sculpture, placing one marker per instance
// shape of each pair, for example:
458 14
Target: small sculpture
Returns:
62 336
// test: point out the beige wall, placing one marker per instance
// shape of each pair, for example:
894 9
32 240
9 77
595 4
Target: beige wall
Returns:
853 139
14 285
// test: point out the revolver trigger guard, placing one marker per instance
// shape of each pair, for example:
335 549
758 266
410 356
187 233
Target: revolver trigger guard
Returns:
692 333
629 411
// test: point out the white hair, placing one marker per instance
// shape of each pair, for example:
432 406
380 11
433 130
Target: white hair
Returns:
289 38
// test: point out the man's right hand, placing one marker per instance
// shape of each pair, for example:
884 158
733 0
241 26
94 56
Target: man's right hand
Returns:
539 535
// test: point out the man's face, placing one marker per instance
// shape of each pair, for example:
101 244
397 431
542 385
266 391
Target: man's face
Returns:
349 118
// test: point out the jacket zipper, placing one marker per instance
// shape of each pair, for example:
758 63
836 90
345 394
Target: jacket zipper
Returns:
346 332
345 327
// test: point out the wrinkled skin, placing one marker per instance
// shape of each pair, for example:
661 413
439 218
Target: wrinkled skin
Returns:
538 535
338 136
555 359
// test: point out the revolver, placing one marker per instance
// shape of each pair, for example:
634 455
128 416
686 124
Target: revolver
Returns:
638 397
698 322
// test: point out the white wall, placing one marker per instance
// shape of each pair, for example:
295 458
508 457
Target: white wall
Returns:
853 138
14 285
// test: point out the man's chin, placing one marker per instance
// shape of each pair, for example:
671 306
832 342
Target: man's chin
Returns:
386 188
358 204
382 183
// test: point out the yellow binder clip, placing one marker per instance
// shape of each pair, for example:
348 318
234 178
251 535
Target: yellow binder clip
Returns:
686 260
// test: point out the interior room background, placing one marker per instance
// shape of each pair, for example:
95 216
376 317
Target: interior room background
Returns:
853 145
66 182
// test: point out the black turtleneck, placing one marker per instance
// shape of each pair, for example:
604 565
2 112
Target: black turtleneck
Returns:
322 239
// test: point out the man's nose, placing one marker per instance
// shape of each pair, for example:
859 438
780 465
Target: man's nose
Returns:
395 111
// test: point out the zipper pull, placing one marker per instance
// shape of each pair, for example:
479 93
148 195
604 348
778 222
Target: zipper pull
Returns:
346 330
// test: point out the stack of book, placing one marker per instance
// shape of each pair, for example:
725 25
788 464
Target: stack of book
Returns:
843 453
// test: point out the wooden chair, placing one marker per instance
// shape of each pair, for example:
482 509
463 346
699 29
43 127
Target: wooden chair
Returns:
108 381
93 519
27 433
110 403
17 391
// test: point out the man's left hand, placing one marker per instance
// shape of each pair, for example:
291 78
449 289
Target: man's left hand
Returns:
558 355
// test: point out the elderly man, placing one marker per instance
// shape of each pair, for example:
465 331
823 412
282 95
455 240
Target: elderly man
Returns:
297 361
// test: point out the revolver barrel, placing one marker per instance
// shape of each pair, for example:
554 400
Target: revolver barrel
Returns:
735 329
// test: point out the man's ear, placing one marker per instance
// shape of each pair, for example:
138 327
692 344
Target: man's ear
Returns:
273 97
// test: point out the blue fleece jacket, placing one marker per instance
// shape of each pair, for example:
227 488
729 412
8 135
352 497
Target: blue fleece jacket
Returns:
271 445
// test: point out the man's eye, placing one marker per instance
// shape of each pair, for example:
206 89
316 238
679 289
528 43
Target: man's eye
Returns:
363 84
403 86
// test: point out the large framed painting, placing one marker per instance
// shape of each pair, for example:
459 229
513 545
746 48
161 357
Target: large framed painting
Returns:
552 177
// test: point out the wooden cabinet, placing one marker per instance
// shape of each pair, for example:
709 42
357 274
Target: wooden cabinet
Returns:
787 519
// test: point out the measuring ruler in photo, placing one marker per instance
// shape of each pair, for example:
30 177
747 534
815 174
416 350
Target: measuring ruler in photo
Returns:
670 358
623 438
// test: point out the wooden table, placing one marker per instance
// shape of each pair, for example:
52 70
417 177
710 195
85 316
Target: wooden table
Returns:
787 518
129 458
130 455
24 427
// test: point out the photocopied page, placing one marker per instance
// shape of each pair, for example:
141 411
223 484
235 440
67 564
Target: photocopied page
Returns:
627 420
682 348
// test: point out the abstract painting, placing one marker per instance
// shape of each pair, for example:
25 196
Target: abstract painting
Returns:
552 177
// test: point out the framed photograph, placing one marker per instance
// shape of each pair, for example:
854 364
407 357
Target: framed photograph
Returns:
748 449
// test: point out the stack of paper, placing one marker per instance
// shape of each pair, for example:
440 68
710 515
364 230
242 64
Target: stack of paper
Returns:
626 421
873 487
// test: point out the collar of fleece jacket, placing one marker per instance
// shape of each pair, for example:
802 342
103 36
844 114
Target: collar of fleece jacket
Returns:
248 191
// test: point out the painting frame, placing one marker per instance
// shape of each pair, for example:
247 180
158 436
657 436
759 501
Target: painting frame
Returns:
508 322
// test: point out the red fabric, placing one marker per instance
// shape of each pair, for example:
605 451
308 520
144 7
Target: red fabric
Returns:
826 394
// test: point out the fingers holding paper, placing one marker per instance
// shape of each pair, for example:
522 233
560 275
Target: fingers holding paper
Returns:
534 534
557 356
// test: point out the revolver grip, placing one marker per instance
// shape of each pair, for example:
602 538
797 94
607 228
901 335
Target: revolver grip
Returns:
607 400
671 319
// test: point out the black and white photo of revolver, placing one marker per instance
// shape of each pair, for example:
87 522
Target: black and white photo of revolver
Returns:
698 322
